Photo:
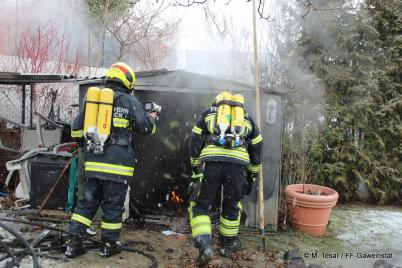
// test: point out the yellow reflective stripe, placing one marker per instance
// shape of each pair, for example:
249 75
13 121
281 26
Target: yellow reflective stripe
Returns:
153 129
81 219
200 219
225 155
197 130
210 117
200 225
254 168
120 122
256 140
237 149
201 230
195 161
230 227
210 121
228 232
120 125
248 124
77 133
104 170
111 165
236 153
211 126
111 226
190 209
229 222
109 168
239 205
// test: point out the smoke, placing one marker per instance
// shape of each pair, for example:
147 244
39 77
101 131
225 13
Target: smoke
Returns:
292 67
25 15
216 40
49 37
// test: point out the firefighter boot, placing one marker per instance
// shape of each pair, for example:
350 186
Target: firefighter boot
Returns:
110 248
203 243
229 245
75 247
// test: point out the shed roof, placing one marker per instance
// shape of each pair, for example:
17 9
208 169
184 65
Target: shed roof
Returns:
8 78
182 81
159 80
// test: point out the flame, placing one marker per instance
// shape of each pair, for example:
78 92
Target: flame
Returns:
176 198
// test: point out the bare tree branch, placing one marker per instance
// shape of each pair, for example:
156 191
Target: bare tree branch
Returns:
189 3
192 2
261 9
143 32
308 4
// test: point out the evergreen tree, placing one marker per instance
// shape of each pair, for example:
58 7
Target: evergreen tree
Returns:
355 56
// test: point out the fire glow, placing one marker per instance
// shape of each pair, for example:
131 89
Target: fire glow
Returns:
176 198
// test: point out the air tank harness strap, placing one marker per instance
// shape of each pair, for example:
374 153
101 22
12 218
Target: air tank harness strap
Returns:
213 139
120 139
231 103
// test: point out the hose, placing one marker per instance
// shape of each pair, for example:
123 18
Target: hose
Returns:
9 252
24 242
154 262
47 226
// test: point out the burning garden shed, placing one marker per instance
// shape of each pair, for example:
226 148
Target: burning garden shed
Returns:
163 165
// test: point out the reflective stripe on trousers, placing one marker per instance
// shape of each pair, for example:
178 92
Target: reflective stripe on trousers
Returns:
201 225
81 219
230 227
109 168
254 168
111 226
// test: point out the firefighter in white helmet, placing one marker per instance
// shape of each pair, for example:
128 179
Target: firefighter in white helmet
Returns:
109 162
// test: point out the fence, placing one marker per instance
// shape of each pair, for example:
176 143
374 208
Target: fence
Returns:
61 96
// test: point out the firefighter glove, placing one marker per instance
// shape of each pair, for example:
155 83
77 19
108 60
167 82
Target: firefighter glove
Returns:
153 109
248 185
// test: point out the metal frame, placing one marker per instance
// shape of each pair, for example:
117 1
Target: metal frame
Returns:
32 79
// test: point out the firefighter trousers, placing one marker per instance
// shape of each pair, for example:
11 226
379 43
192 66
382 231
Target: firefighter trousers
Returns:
217 174
110 196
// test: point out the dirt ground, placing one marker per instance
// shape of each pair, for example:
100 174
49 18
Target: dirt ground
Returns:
353 230
171 251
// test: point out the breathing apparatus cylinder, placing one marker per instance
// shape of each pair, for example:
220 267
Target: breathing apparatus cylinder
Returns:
224 115
104 118
91 113
237 123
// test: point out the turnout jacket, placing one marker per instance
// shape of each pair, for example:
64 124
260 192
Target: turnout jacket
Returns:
202 149
117 161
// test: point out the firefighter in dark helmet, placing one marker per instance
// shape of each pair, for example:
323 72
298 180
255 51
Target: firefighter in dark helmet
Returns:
105 123
225 151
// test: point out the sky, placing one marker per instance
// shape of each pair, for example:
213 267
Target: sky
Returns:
192 33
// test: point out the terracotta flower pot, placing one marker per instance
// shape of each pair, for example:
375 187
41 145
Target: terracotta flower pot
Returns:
309 211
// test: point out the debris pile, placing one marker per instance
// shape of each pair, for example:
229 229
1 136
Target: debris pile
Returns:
50 243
